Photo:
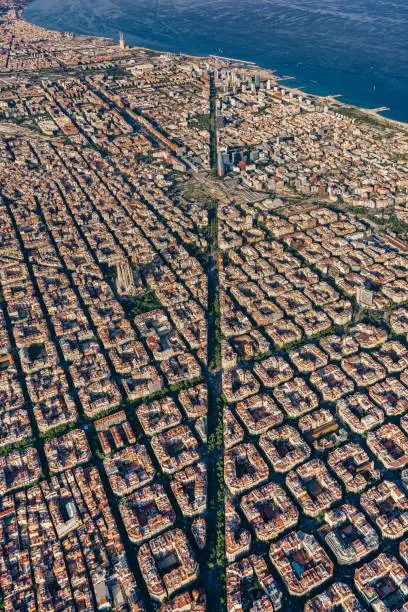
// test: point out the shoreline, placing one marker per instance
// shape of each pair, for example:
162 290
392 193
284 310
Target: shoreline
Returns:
373 113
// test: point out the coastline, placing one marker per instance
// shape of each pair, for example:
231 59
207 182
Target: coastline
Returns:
371 113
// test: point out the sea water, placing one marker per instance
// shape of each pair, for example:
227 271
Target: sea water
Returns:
357 48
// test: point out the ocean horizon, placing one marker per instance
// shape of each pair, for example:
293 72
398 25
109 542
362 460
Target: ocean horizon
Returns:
355 48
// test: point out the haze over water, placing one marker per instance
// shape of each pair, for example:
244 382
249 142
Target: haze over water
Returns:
358 48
